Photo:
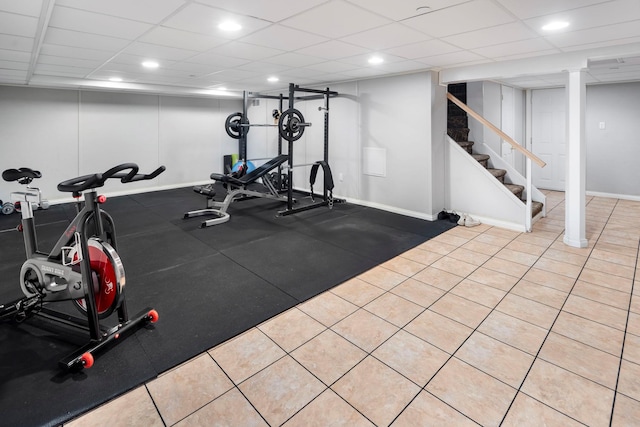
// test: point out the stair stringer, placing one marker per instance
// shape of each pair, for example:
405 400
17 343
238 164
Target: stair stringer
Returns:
513 175
471 189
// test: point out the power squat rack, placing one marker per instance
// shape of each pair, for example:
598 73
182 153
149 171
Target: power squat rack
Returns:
291 126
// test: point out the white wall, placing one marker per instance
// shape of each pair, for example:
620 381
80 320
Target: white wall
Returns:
613 152
475 101
39 130
393 114
66 133
492 111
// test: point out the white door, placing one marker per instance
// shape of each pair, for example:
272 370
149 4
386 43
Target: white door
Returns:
548 137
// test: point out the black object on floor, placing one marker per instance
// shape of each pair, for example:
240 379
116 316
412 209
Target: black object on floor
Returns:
207 285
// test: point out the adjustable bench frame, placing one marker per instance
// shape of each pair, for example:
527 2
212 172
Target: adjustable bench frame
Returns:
237 190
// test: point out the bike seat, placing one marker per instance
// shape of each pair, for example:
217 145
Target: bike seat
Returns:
22 175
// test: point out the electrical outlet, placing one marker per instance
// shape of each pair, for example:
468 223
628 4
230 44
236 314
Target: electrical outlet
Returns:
340 177
601 125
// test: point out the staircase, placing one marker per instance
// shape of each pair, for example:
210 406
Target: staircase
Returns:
458 130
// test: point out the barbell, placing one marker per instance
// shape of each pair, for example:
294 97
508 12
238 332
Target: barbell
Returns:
290 125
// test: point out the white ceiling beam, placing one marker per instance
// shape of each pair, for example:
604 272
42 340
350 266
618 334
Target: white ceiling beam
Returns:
43 24
536 66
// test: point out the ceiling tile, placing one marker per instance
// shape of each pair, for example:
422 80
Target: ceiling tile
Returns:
18 25
295 60
403 9
61 37
61 70
363 73
13 65
14 55
75 52
107 74
13 76
422 49
209 58
16 43
272 10
403 66
305 73
362 60
23 7
263 67
283 38
386 37
596 35
151 11
512 32
531 9
461 18
203 19
532 54
235 75
331 67
197 69
205 81
451 59
68 62
336 19
632 41
333 49
154 51
514 48
612 12
93 23
158 79
136 61
246 51
181 39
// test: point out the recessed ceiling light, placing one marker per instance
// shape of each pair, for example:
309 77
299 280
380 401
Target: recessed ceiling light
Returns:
375 60
150 64
115 79
229 26
555 25
273 79
423 9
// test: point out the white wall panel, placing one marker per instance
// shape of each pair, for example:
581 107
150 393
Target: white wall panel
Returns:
613 152
191 138
38 130
395 114
119 128
66 133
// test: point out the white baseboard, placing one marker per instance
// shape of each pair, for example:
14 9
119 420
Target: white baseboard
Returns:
613 196
135 191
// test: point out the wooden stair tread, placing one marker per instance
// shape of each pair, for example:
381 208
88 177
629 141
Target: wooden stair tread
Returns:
536 208
497 172
514 188
481 157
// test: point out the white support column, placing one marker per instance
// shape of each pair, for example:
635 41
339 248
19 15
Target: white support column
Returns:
576 176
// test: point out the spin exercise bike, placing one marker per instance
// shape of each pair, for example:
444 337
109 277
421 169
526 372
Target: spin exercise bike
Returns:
83 266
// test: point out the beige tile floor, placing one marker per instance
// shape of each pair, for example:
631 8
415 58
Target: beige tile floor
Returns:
478 326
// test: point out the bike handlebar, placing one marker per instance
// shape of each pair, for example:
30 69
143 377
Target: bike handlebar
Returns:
86 182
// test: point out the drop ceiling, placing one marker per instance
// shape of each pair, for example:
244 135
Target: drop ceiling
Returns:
85 43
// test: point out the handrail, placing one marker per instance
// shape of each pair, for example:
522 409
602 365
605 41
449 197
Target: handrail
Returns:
491 126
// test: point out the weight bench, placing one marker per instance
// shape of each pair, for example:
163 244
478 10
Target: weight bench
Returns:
237 188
